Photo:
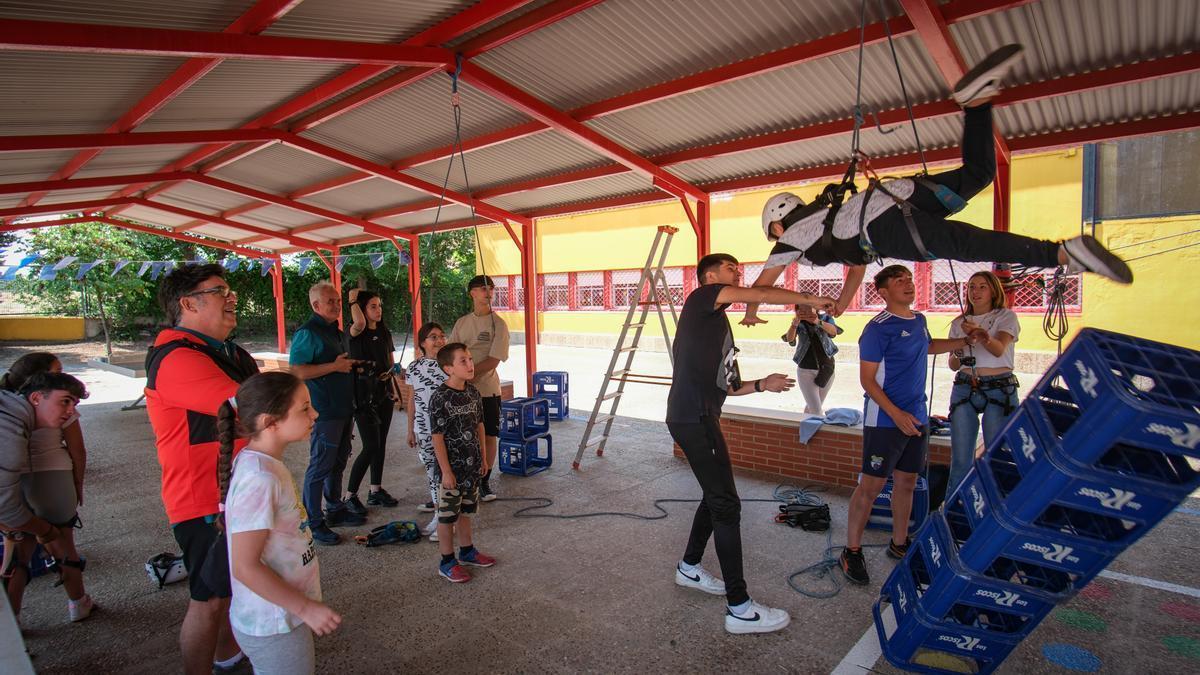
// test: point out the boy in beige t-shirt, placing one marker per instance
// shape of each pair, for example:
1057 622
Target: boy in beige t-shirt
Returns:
486 337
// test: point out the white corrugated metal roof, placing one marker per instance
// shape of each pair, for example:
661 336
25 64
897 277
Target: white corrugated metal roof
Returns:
609 49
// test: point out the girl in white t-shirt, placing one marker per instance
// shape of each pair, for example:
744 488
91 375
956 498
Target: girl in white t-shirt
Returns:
424 375
987 385
276 605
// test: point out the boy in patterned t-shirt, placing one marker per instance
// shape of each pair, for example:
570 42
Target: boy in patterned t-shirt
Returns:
456 420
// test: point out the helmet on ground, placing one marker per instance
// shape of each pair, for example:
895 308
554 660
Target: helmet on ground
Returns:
777 207
166 568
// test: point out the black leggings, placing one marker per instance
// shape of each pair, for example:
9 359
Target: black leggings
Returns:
720 512
953 239
374 433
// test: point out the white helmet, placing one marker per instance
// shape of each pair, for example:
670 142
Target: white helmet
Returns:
166 568
777 207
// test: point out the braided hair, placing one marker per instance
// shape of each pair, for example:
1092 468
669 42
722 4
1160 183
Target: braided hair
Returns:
26 367
267 394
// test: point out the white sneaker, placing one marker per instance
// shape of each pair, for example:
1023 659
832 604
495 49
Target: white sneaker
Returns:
1085 254
757 619
700 580
80 609
983 80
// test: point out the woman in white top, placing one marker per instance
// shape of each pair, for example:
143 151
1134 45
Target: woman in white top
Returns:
985 384
276 605
53 488
424 375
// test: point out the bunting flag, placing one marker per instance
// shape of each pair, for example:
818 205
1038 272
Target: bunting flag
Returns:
405 258
48 273
305 263
376 260
64 262
231 264
84 268
156 270
339 261
11 273
267 264
121 264
145 266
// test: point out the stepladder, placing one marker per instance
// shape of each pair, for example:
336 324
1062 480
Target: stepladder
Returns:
653 291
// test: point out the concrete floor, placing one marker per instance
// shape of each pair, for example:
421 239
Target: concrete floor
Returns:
593 595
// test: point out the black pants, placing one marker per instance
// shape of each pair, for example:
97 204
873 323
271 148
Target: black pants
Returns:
720 512
373 429
953 239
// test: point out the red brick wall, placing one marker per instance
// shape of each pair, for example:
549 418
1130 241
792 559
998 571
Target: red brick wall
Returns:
832 457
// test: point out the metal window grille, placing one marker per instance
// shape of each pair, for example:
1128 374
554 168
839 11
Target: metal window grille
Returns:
555 291
589 290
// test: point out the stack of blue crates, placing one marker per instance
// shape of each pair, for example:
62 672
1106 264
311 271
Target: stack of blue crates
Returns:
1101 450
881 510
525 444
553 385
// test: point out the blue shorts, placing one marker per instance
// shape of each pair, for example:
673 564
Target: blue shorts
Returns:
887 449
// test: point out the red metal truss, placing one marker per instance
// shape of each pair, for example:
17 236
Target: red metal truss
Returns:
254 21
954 12
137 227
44 186
56 36
565 124
137 139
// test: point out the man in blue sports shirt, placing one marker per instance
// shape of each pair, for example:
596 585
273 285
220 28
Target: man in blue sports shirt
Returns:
892 351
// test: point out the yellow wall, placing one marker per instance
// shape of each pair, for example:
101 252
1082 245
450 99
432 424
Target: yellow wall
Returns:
41 328
1046 203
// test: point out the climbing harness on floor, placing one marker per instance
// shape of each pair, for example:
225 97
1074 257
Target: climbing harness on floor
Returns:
395 532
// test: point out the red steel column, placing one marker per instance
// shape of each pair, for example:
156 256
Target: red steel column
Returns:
277 288
414 285
704 218
1001 210
529 280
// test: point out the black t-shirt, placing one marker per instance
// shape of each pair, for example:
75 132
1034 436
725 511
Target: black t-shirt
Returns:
373 344
456 414
705 364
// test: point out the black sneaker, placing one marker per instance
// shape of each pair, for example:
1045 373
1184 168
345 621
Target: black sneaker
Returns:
983 80
344 518
354 505
427 507
898 551
381 497
486 494
854 567
324 536
1086 254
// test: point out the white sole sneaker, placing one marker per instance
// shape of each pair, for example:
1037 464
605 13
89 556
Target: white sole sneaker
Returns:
984 79
1085 254
80 609
758 619
701 581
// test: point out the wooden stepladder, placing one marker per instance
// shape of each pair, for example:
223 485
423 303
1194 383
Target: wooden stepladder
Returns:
652 291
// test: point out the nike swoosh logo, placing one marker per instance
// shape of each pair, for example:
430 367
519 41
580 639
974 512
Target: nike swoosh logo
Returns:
685 576
745 618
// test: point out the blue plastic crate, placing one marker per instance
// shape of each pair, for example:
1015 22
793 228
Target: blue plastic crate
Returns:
1125 389
522 418
551 382
915 642
560 406
881 510
526 457
990 544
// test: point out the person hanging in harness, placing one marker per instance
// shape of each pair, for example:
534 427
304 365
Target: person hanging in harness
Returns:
906 218
984 383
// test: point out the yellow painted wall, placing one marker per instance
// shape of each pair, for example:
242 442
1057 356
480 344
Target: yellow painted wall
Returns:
41 328
1046 203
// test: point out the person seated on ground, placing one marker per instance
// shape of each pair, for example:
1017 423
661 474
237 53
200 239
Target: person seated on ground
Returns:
53 489
812 334
984 383
276 578
906 218
46 401
892 355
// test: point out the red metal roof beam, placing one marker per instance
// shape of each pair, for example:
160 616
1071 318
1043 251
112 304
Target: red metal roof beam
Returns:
137 139
56 36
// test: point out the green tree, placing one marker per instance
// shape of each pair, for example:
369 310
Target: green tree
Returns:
447 264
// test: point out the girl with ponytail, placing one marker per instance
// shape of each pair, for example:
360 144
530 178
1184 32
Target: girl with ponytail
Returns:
276 584
424 375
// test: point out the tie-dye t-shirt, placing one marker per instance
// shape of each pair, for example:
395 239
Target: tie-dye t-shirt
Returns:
263 496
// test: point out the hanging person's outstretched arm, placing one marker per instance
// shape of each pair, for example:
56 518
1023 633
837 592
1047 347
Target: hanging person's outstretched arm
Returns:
756 295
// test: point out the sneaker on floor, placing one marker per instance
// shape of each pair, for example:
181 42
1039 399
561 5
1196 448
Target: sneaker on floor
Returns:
242 666
1085 254
324 536
344 518
80 609
381 497
854 567
427 507
477 559
756 619
433 536
700 580
354 505
454 573
983 80
486 493
898 551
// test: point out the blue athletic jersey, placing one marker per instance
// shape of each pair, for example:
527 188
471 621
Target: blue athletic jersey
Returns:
900 347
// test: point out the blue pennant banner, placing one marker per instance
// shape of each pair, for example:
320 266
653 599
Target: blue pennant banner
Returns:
58 266
145 266
405 258
11 273
48 273
339 261
305 263
231 264
121 264
267 264
376 260
84 268
156 269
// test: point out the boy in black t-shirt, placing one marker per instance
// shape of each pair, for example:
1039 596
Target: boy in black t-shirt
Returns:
456 419
705 373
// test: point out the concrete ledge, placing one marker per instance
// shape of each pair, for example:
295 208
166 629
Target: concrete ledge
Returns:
126 367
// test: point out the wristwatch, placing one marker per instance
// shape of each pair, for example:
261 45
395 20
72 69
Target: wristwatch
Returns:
758 386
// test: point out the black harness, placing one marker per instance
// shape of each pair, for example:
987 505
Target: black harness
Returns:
1007 386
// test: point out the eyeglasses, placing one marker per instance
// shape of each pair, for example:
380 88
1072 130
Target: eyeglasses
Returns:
223 291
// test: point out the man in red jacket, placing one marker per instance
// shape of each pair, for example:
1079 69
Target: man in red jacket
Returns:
191 369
